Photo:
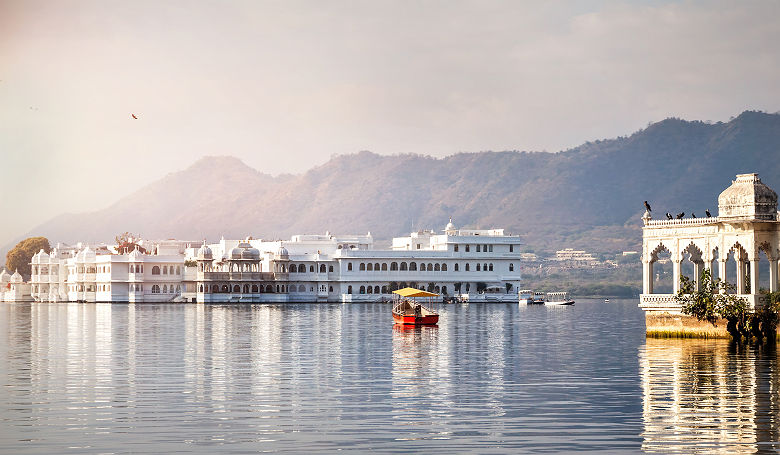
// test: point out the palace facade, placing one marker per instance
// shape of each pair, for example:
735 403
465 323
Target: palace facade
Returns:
471 264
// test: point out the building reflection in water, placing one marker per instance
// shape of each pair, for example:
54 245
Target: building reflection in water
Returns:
709 396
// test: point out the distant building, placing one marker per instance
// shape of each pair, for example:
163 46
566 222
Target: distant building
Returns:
572 255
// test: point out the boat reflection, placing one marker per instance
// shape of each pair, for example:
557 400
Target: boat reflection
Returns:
709 395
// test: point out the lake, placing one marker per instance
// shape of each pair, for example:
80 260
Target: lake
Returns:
491 378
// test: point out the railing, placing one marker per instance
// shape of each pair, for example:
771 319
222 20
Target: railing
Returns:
684 222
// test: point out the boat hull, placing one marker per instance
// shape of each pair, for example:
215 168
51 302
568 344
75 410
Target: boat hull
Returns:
562 302
430 319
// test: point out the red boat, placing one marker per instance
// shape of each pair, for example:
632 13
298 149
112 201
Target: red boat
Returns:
409 311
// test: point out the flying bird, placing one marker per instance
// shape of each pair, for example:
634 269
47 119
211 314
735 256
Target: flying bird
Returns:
680 215
669 216
647 206
707 212
134 116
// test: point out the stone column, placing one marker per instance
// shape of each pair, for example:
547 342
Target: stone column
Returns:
740 276
773 275
754 275
697 266
675 275
647 277
722 271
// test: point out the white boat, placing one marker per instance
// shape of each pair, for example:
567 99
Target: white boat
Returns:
558 298
526 296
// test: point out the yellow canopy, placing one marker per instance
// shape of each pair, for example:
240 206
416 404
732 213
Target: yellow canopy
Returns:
412 292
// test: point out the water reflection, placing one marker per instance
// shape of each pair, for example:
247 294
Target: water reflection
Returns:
709 396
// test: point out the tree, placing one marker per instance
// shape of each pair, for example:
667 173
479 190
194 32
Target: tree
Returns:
18 259
712 301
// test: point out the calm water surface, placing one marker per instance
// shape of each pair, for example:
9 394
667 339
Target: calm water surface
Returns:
495 378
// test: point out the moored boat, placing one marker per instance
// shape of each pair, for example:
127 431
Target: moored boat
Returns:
407 310
558 298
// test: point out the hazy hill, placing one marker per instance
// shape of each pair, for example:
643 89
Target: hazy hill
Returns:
590 196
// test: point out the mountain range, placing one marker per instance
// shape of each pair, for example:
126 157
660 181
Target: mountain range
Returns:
588 197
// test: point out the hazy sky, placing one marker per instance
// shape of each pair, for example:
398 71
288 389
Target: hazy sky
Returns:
284 85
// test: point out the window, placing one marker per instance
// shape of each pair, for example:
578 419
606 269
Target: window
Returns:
422 266
215 288
430 267
376 289
444 267
456 267
384 267
165 288
293 268
491 266
302 268
403 266
155 270
484 267
467 267
490 248
225 288
456 248
478 248
330 268
236 288
246 289
376 267
349 267
349 289
413 266
467 248
418 246
511 267
330 288
436 268
479 269
370 267
311 268
362 267
165 270
155 289
393 266
362 289
269 289
511 248
178 270
370 290
254 289
301 288
322 268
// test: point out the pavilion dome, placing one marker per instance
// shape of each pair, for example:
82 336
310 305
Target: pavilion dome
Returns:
250 253
16 277
235 253
282 253
450 226
4 276
748 197
204 252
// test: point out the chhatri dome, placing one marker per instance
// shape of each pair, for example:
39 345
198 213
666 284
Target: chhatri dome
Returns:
204 252
450 228
748 198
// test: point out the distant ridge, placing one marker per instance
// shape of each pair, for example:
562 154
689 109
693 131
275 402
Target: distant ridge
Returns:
589 197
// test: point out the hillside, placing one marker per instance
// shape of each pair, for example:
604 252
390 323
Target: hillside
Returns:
590 196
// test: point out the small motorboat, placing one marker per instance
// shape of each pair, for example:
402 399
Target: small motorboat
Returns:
558 298
407 310
606 300
539 298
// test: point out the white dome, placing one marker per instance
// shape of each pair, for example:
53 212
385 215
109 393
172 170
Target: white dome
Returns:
204 252
235 253
4 276
748 197
250 253
450 226
16 278
283 253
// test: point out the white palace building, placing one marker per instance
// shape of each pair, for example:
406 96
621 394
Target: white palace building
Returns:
471 264
731 244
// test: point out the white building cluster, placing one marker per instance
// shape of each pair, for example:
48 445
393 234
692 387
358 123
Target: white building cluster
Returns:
478 265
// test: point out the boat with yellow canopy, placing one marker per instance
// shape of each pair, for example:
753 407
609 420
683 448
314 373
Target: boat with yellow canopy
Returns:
407 310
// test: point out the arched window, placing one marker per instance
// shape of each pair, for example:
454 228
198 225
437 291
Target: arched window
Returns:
330 288
330 268
155 270
384 289
311 268
370 267
225 288
349 267
293 268
165 270
430 267
511 267
413 266
436 268
362 289
456 267
467 267
491 266
322 268
403 266
393 266
254 289
362 267
165 288
215 289
468 248
349 289
246 289
200 288
155 289
479 267
376 267
370 290
422 266
403 285
269 289
236 288
484 267
444 290
376 289
384 267
444 267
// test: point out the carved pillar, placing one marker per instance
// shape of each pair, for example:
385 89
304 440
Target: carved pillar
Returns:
773 275
675 275
754 275
722 270
697 266
740 275
647 277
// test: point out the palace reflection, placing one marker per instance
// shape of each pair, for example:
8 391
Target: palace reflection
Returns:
709 396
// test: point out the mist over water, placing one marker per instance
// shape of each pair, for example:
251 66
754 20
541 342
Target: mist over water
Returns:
99 378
